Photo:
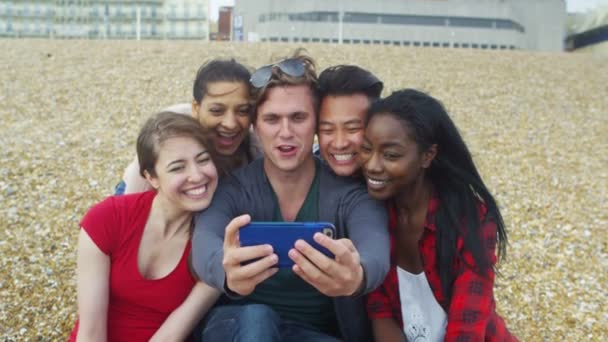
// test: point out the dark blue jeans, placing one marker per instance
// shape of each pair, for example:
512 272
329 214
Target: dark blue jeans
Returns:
256 323
119 189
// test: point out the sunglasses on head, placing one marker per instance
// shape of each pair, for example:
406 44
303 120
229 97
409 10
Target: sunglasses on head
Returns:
293 67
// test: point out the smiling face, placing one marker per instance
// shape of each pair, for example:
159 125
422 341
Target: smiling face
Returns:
285 126
341 123
390 158
185 174
226 111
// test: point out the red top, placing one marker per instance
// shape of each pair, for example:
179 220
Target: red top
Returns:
471 310
137 306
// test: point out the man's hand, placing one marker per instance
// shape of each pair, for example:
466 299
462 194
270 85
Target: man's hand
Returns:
243 279
341 276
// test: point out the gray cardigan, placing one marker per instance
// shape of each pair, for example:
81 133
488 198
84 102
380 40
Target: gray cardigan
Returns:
342 201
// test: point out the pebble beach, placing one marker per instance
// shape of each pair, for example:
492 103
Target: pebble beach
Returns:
536 124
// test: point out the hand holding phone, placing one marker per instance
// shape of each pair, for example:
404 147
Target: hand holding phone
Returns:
242 279
341 276
282 236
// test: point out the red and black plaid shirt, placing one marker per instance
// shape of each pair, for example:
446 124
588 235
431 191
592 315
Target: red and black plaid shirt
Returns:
471 309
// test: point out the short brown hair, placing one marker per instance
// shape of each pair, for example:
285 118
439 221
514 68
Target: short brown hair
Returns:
163 126
280 79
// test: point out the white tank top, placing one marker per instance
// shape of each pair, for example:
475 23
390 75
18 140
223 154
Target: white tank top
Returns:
423 318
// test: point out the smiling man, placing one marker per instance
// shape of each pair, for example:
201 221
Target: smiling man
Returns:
319 298
346 91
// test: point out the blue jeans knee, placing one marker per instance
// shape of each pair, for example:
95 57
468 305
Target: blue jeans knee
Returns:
243 323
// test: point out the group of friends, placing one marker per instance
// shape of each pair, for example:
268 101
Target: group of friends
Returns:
418 234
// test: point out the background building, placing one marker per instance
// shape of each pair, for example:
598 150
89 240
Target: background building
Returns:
186 19
121 19
224 23
484 24
589 31
27 18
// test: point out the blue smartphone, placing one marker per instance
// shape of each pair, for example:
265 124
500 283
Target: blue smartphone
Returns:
283 235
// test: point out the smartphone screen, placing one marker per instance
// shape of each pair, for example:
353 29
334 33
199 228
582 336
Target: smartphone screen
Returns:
283 235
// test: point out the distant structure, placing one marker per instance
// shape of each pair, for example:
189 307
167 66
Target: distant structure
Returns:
224 24
186 19
113 19
478 24
589 31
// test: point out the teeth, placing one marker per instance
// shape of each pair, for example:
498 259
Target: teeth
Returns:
197 191
286 148
375 181
227 135
344 157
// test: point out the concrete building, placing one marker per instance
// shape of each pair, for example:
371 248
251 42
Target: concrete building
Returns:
484 24
186 19
589 32
114 19
27 18
120 19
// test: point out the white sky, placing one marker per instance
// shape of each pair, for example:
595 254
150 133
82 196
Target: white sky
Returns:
582 5
572 5
216 4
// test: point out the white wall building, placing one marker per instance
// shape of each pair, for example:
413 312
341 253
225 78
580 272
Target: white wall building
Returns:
484 24
186 19
27 18
125 19
121 19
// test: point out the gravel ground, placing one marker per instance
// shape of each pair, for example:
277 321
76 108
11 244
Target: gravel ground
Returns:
536 123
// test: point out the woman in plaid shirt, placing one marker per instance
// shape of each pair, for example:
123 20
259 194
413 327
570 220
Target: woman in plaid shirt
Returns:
445 226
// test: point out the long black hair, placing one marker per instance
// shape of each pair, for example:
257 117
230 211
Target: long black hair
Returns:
455 179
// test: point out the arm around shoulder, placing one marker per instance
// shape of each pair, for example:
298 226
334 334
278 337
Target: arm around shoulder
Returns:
208 237
133 180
